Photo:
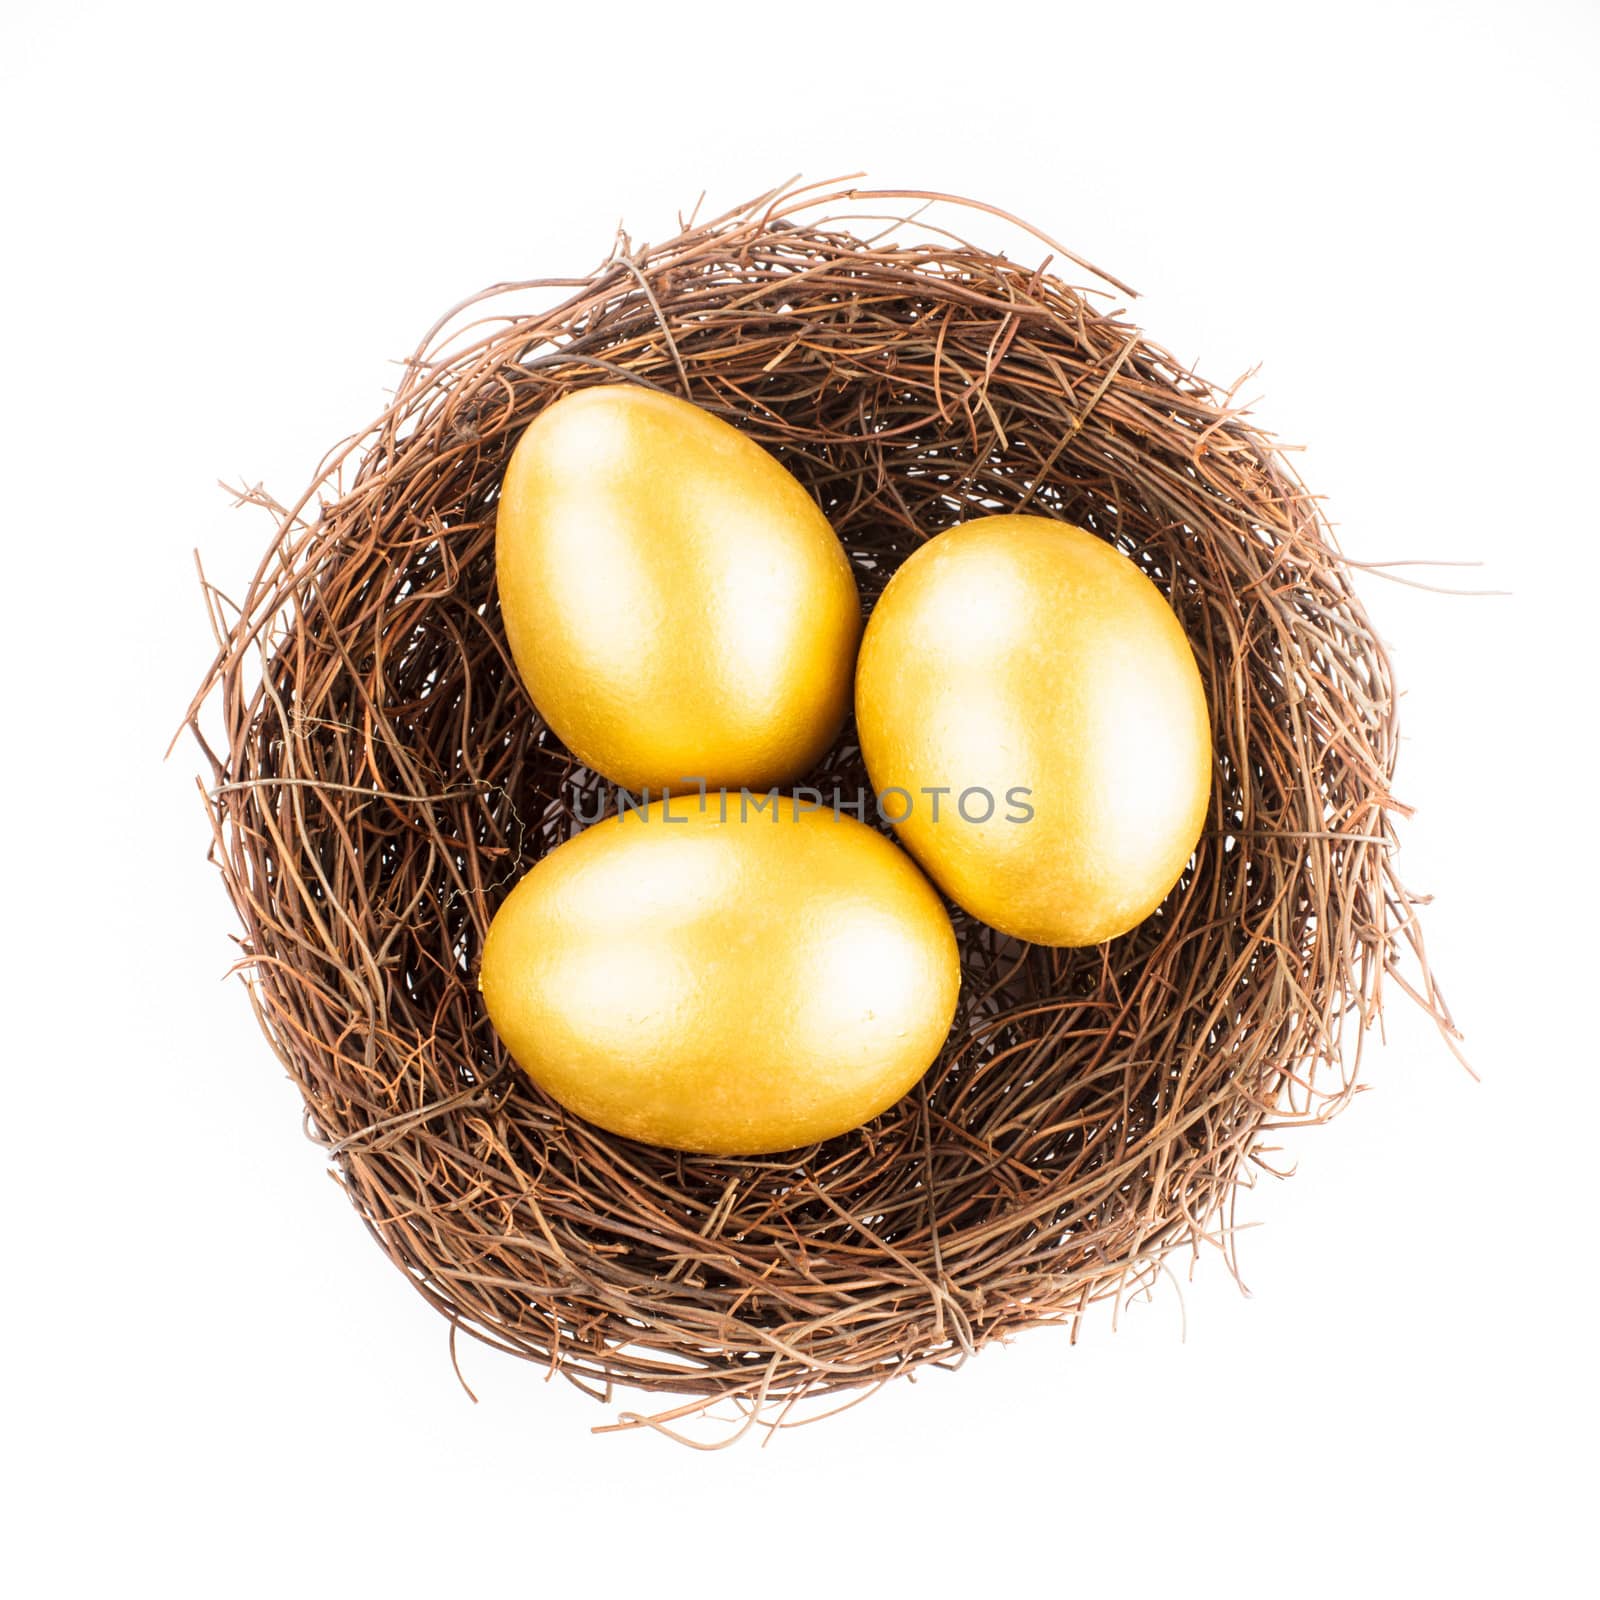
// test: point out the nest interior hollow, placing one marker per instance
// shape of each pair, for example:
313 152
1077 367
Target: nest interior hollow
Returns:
379 780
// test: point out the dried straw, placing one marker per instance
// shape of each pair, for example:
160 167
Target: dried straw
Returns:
379 780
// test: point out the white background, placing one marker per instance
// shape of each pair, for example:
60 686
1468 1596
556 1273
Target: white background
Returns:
222 223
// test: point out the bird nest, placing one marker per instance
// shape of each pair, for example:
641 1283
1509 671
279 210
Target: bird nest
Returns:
379 780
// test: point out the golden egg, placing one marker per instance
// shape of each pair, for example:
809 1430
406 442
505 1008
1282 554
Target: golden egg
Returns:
1032 716
711 976
676 604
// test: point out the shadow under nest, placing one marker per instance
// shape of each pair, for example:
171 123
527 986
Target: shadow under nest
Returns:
379 781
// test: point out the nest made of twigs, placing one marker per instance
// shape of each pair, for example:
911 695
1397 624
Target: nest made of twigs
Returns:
380 780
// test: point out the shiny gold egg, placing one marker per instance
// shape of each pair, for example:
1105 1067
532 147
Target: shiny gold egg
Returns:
710 976
677 605
1032 715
